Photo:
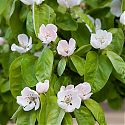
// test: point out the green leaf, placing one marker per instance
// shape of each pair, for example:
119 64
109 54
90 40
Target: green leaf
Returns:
96 110
29 24
67 119
51 114
81 35
2 6
15 77
83 49
26 118
44 65
123 5
61 66
84 116
14 15
97 70
28 70
117 41
42 14
65 22
78 63
5 87
118 64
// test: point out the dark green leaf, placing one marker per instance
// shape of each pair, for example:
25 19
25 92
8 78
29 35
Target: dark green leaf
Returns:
78 63
84 116
67 119
97 70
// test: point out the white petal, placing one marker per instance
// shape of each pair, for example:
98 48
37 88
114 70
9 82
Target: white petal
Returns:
42 87
62 47
122 18
51 27
94 42
29 107
2 41
23 40
29 46
27 2
19 49
69 87
98 24
63 3
21 101
38 2
86 96
116 7
72 44
26 91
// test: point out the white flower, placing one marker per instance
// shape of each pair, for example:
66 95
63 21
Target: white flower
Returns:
2 41
42 87
31 2
37 54
47 33
68 3
24 42
38 2
84 90
68 98
96 22
122 18
101 39
29 99
116 7
74 121
66 49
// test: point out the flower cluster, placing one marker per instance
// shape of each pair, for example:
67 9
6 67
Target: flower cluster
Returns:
70 98
29 99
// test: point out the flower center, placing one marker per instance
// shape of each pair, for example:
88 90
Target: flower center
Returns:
68 99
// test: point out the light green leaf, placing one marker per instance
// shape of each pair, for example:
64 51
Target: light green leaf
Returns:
118 64
26 118
97 70
15 77
51 114
117 41
78 63
2 6
44 65
84 116
28 70
61 66
83 49
96 110
42 14
67 119
123 5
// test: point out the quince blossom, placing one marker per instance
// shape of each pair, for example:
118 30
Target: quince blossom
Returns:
74 121
66 49
68 3
31 2
122 18
42 87
29 99
68 98
101 39
47 33
24 42
84 90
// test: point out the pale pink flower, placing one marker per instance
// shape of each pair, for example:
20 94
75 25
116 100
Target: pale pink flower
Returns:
66 49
